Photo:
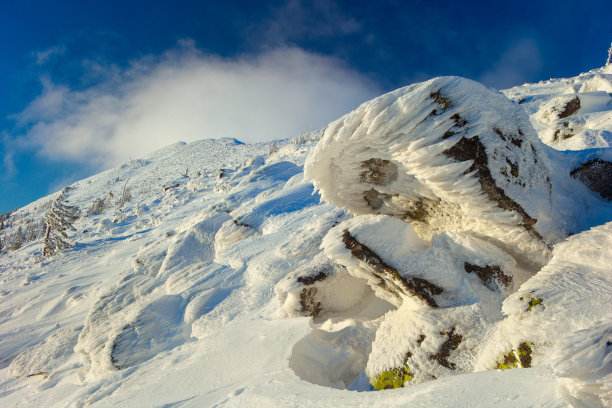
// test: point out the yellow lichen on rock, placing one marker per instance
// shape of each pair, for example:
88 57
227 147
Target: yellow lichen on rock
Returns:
391 379
521 357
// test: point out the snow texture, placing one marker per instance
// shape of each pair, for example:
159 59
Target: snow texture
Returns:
245 275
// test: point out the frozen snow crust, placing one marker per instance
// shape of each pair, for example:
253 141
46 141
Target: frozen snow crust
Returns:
225 280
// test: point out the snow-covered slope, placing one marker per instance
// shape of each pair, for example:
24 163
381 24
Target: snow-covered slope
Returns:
223 279
573 113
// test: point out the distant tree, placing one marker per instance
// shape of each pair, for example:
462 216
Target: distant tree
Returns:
31 233
96 207
4 219
126 195
58 220
272 148
18 239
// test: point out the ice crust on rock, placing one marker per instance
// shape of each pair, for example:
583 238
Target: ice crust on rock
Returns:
446 155
465 304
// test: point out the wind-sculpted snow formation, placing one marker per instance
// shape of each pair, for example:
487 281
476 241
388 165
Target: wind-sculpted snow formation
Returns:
468 203
452 242
448 155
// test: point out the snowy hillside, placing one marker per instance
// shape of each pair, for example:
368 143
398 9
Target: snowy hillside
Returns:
444 239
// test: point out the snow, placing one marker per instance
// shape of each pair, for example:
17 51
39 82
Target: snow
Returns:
587 128
225 280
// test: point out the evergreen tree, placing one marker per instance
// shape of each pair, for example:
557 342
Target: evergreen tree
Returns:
18 239
58 220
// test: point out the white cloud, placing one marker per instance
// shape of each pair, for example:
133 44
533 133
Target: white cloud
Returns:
516 66
185 95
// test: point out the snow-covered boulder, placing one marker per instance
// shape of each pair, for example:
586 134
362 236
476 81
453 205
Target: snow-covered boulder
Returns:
446 155
562 317
448 294
45 357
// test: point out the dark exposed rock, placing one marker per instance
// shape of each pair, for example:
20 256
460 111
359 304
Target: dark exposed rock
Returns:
170 187
509 361
570 108
524 354
310 307
421 339
113 353
390 279
420 210
378 171
449 345
459 123
473 149
514 140
424 289
514 170
375 199
449 133
443 102
242 224
309 280
596 175
488 274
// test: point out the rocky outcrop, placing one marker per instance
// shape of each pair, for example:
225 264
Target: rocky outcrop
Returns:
596 174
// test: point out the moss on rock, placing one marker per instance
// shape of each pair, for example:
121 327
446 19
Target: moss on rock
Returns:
395 378
524 354
521 357
509 361
532 301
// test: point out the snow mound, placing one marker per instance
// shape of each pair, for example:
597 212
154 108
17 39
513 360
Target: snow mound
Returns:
564 314
47 356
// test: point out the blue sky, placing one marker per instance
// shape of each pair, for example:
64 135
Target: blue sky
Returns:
88 85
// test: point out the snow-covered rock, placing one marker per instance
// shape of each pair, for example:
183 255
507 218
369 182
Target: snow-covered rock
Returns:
446 155
570 113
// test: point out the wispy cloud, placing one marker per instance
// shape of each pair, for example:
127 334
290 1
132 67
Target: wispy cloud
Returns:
185 95
300 19
8 166
44 56
519 64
